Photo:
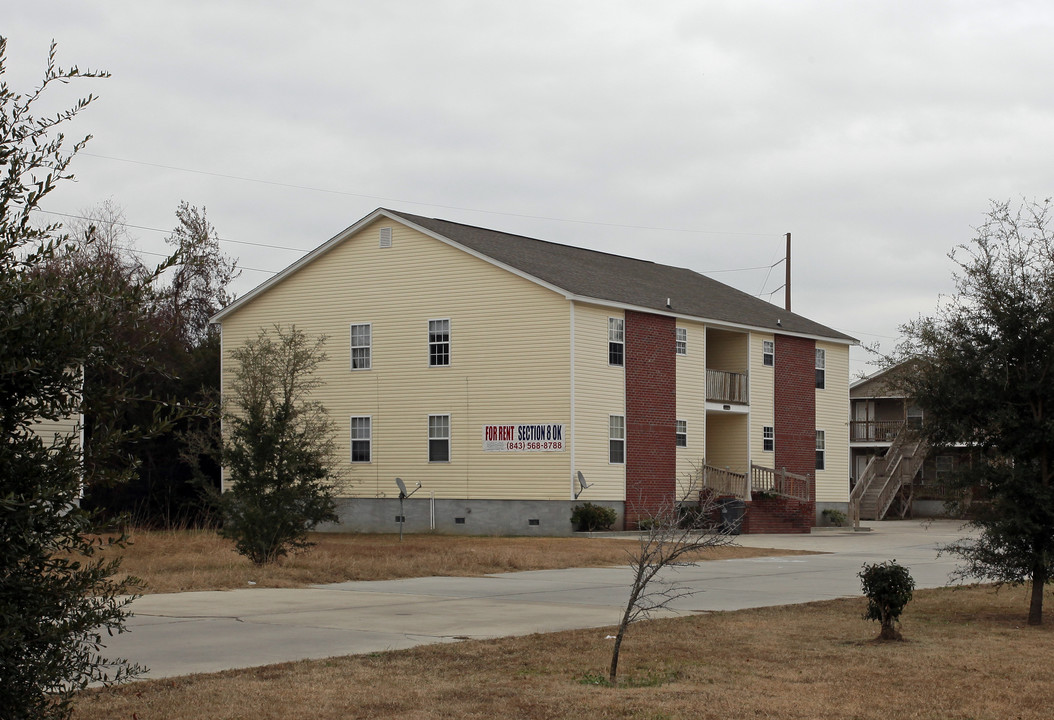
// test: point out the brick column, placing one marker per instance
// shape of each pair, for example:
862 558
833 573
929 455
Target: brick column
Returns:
651 414
795 411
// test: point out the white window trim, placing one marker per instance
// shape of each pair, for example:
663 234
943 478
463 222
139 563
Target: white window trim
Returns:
770 436
353 347
621 330
621 439
821 447
449 441
770 353
821 364
680 341
449 344
678 425
353 439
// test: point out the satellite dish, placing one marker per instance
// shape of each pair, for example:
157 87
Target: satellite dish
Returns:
402 496
582 485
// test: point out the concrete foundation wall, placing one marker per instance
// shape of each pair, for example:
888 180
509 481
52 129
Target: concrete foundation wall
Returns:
461 517
842 507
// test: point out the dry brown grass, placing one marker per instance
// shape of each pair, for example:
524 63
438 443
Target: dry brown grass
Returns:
183 560
968 654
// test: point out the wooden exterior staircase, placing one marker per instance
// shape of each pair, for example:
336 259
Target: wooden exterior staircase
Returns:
883 478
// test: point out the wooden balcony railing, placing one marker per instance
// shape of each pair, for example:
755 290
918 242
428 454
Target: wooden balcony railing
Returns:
874 430
726 387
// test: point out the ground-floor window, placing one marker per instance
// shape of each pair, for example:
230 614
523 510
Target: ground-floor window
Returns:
768 438
616 439
821 450
682 433
361 438
438 438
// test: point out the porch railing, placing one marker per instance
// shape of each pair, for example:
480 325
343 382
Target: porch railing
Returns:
779 482
726 387
874 430
723 481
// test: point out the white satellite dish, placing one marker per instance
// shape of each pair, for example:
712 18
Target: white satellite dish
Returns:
582 485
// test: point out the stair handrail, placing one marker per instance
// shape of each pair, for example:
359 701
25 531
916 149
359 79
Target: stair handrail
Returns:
780 482
724 481
860 488
903 473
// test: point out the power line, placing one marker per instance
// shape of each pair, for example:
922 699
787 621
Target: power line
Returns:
152 229
381 198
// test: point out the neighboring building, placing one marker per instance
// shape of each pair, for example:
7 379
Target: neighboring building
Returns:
492 368
894 472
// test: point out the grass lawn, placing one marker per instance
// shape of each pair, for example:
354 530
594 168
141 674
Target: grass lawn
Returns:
967 654
183 560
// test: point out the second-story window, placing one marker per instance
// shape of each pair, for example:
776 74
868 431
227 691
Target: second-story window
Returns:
768 353
682 433
616 341
361 351
681 341
438 342
821 369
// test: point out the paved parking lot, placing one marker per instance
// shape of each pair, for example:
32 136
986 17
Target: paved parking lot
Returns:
179 634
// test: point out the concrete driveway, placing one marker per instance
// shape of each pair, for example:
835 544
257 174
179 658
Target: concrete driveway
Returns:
179 634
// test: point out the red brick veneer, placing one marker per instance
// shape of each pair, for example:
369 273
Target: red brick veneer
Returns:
651 414
794 395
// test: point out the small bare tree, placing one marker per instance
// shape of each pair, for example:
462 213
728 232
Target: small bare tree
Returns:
670 537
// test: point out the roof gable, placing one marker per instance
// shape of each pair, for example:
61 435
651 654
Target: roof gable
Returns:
626 281
588 275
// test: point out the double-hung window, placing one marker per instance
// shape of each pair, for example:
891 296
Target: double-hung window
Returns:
682 433
438 342
616 341
616 439
438 438
821 450
361 438
361 346
768 353
680 343
768 438
821 369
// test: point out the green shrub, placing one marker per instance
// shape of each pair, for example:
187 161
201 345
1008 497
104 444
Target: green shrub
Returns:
834 517
888 587
590 517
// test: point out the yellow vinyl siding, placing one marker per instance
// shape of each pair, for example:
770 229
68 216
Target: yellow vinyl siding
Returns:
599 391
727 441
691 401
762 400
510 361
726 350
832 416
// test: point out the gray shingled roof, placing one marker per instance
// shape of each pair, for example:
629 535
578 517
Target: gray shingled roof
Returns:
613 278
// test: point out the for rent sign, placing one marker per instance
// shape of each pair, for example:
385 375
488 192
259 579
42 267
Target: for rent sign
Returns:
527 437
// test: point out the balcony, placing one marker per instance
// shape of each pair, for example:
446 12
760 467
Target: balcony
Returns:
726 387
880 431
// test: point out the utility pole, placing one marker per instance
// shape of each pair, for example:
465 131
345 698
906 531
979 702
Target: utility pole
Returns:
787 284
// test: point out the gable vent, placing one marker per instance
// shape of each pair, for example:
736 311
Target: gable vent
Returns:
386 237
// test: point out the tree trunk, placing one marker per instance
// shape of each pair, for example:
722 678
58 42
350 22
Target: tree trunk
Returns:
1039 582
613 672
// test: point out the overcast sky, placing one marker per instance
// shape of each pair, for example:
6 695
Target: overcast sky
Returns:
689 133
